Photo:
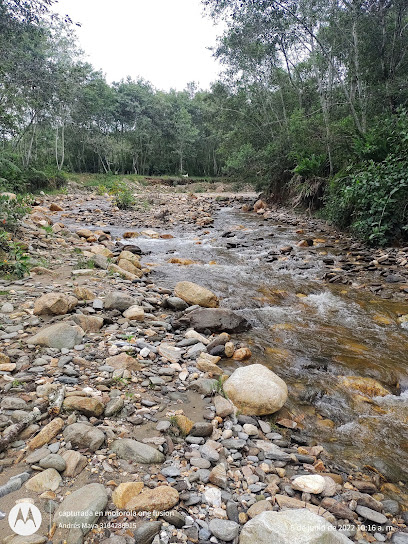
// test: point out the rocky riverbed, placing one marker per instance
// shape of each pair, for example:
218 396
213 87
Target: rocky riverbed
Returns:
204 370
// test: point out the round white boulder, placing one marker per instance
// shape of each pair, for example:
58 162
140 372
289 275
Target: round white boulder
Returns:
309 484
255 390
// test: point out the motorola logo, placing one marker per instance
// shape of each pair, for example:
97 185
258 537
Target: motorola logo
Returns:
25 518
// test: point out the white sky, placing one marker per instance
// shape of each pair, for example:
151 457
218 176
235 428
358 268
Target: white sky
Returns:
163 41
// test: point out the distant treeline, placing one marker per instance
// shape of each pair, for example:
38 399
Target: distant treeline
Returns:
311 108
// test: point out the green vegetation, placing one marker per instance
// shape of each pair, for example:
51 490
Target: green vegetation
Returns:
311 109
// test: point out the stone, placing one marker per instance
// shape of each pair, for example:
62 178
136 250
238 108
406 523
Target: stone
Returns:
116 300
54 304
4 359
288 527
309 484
146 532
83 293
84 233
207 363
176 303
126 265
196 294
290 503
184 424
101 262
218 476
89 406
75 463
258 508
82 435
123 361
53 461
223 407
372 515
202 428
114 406
48 480
131 257
59 336
242 354
399 538
160 498
131 450
47 433
256 390
125 492
82 507
88 323
170 353
225 530
134 313
216 320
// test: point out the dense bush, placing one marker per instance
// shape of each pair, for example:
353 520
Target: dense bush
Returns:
372 197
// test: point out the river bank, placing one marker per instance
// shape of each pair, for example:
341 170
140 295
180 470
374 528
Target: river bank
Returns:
143 419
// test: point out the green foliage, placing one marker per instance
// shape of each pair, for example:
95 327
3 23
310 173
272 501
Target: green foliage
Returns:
372 198
123 195
12 211
310 166
86 264
14 261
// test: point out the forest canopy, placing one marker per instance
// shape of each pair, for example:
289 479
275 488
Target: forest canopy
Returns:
311 108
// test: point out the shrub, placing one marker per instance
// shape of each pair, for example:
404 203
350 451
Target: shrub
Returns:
123 195
14 261
12 211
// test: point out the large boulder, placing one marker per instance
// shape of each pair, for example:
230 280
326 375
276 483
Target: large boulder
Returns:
195 294
59 336
54 304
255 390
82 508
215 320
132 450
290 526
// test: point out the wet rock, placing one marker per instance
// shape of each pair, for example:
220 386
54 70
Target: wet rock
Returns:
60 336
129 449
89 406
256 390
160 498
287 527
82 507
54 304
216 320
196 294
84 436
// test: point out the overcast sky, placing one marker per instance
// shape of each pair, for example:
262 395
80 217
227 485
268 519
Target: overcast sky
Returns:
163 41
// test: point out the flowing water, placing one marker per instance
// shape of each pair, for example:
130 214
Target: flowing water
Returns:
310 333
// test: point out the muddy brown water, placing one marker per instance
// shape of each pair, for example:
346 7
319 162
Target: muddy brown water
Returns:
307 331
